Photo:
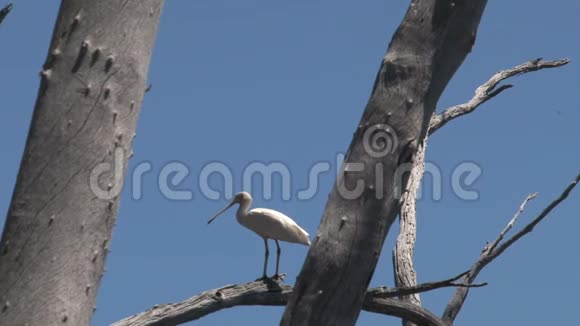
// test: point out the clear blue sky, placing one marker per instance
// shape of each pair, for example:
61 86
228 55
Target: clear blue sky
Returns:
242 81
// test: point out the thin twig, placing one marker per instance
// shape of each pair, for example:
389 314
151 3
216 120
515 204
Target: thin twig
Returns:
493 251
530 227
488 90
386 292
508 227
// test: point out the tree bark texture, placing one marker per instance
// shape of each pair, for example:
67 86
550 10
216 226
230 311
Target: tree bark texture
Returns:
430 44
376 300
403 269
66 197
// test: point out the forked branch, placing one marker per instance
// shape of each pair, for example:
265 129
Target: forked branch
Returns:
404 271
489 90
496 248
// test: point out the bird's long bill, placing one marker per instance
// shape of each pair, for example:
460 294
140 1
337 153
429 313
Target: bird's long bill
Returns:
218 214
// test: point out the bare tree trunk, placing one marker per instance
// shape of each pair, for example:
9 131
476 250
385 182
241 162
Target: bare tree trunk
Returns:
66 197
426 50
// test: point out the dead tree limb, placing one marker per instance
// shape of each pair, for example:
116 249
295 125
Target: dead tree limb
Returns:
496 248
271 293
386 292
247 294
404 310
430 44
511 223
488 90
404 271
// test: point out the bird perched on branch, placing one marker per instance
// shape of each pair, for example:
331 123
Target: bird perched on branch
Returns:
268 224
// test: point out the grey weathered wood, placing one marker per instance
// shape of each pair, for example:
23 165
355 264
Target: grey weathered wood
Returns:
403 269
404 272
426 50
58 227
270 293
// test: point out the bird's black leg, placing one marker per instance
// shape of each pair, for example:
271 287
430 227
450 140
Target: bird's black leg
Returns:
266 258
278 252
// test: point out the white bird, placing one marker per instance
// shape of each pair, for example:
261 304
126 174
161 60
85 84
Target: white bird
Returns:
268 224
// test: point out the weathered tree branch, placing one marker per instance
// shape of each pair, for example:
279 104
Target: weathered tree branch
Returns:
386 292
488 90
511 223
496 248
404 271
5 11
247 294
404 310
271 293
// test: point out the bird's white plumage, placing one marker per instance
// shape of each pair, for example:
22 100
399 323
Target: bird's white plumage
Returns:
271 224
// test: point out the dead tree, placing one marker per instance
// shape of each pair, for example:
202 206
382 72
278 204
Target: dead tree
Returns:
421 58
65 201
378 300
432 41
